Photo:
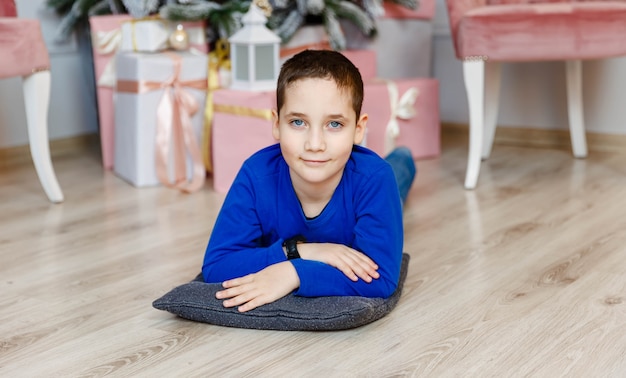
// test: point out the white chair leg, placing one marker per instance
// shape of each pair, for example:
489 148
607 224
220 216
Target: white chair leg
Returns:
492 100
36 100
474 74
574 75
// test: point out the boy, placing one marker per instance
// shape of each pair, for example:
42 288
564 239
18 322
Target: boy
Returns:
314 213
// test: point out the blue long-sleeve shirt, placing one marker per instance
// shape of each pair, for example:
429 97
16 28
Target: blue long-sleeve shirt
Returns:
261 210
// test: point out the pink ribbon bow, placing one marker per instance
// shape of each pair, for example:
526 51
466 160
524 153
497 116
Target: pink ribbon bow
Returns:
174 127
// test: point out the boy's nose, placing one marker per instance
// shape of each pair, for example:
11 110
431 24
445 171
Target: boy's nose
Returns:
315 140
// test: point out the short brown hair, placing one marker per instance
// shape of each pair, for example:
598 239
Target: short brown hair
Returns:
321 64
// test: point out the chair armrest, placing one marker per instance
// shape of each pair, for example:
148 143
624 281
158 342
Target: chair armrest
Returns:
457 8
23 49
7 8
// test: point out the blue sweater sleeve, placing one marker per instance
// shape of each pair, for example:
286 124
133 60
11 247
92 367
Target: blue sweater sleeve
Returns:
233 249
378 233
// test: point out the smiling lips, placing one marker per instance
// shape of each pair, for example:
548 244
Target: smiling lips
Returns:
313 162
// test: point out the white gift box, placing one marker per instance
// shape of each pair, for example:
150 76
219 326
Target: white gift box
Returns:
150 35
153 35
136 110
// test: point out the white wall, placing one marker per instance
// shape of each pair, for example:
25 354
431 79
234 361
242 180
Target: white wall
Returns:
72 106
533 94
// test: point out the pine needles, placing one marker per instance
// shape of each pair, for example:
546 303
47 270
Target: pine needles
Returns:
224 16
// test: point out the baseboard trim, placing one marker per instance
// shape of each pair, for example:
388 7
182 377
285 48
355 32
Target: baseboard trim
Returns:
511 136
11 156
542 138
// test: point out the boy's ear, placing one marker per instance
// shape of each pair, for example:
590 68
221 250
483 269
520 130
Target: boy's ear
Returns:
361 126
275 128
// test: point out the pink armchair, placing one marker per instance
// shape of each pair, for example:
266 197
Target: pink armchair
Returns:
487 32
25 54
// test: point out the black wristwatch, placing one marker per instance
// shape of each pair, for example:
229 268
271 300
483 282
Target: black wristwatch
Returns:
291 245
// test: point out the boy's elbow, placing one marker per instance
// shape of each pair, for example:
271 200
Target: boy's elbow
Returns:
207 275
383 289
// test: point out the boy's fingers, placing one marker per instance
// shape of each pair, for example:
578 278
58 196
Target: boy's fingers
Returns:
237 281
364 259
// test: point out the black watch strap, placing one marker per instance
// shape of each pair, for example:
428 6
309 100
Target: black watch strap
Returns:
291 245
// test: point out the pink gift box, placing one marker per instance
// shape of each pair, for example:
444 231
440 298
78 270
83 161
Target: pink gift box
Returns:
421 132
364 60
102 28
106 39
236 135
315 38
425 10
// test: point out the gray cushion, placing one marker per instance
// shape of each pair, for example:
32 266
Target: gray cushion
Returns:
196 301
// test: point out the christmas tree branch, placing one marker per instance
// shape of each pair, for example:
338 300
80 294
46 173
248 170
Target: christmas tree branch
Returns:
291 23
410 4
351 12
193 12
335 33
76 14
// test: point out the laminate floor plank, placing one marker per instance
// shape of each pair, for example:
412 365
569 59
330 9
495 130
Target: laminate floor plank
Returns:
523 277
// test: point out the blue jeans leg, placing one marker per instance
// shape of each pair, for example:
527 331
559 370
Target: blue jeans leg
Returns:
403 165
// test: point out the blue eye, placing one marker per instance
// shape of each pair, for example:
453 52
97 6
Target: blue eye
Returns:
335 125
297 122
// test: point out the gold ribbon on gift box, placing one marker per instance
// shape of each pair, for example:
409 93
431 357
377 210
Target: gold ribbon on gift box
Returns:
174 113
135 21
218 59
265 114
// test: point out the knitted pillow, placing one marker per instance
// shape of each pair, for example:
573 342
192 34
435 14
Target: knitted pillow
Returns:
196 301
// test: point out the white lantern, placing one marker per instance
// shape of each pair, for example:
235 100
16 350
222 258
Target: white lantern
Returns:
254 54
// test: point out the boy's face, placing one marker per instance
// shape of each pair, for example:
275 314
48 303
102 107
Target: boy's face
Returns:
317 128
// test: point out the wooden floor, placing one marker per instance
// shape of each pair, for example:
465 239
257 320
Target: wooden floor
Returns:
523 277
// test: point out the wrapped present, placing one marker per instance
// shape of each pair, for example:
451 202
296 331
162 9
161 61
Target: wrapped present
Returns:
153 34
315 38
403 43
106 34
145 35
364 60
106 38
403 112
159 101
242 125
218 77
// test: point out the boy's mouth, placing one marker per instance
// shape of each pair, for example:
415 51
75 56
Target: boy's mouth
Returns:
313 162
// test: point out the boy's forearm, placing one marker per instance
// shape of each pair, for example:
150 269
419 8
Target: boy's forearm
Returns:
320 279
221 264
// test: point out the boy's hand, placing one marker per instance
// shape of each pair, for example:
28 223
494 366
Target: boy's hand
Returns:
352 263
257 289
